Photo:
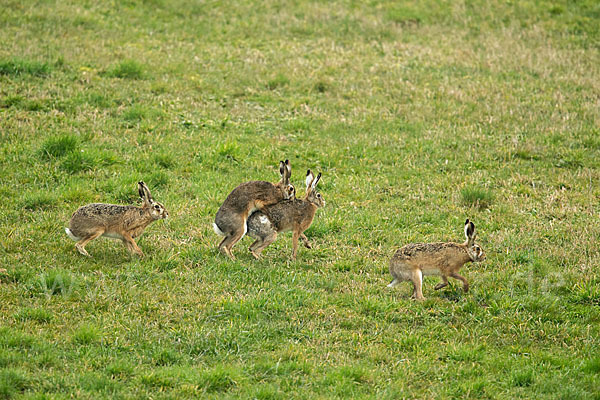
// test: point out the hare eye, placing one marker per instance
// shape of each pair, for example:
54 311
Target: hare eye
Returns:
157 207
319 195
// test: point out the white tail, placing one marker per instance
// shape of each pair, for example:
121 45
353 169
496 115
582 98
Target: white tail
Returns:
70 234
217 230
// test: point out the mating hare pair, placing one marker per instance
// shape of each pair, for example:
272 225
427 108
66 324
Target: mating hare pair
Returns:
262 210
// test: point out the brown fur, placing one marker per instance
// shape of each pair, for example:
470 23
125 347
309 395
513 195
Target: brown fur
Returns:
413 261
248 197
294 215
119 222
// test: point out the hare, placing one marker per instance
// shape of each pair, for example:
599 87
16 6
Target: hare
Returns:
115 221
294 215
248 197
414 260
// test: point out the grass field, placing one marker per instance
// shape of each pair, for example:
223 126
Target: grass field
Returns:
419 114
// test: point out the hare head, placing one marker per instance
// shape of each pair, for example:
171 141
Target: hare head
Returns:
157 210
311 192
474 251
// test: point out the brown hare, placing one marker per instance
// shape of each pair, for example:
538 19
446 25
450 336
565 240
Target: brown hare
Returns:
115 221
248 197
294 215
414 260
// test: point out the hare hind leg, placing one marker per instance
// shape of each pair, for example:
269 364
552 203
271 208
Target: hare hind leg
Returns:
267 240
231 239
253 247
394 282
442 284
233 227
80 246
227 243
417 280
400 272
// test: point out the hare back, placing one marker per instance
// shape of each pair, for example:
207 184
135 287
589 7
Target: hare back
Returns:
428 249
248 195
287 214
110 217
431 258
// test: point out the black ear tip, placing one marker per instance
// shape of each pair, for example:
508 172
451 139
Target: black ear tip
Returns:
141 183
308 172
467 221
318 176
287 161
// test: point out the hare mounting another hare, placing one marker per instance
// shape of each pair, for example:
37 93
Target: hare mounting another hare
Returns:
294 215
115 221
246 198
414 260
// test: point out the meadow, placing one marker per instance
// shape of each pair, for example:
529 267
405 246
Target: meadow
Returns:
419 114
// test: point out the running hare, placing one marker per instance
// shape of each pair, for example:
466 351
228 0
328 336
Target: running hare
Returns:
414 260
294 215
248 197
115 221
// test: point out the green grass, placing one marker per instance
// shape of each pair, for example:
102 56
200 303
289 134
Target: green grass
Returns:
418 114
477 197
128 69
59 146
19 67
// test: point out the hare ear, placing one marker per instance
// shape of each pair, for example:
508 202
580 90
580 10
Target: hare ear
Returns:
314 184
288 168
309 179
469 230
285 170
145 193
281 169
141 190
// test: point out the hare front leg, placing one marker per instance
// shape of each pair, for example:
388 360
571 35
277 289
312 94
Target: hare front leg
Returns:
80 246
442 284
305 241
295 236
455 275
132 245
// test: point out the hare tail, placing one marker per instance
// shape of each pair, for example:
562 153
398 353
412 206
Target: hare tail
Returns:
217 230
70 234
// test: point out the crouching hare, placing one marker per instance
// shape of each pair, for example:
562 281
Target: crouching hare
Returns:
115 221
414 260
294 215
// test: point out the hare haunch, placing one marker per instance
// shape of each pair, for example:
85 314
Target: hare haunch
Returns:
248 197
294 215
115 221
414 260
